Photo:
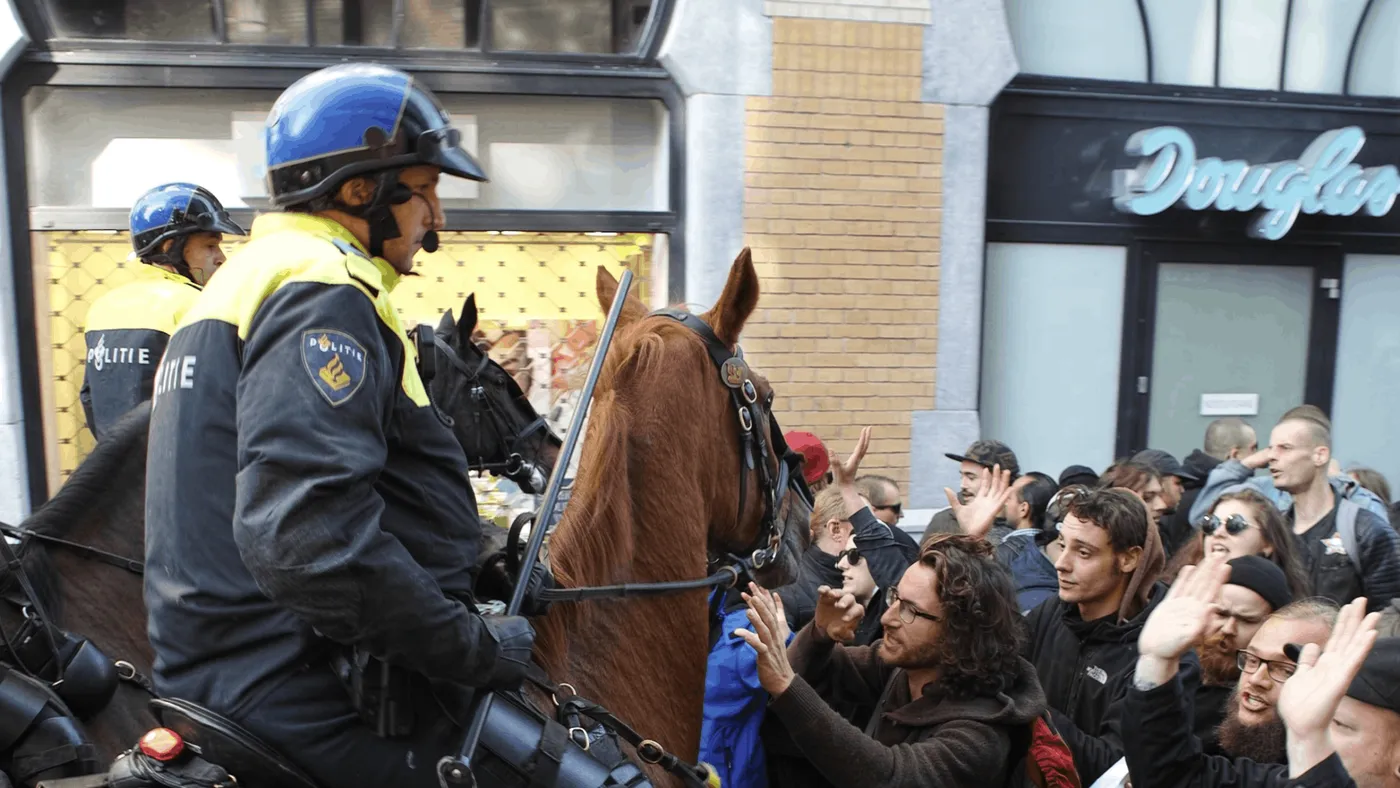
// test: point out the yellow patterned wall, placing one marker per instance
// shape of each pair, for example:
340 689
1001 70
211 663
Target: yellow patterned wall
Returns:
521 280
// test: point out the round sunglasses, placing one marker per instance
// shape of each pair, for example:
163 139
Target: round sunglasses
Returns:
1234 524
852 556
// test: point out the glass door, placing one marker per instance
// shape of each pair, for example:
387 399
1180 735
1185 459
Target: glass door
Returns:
1246 331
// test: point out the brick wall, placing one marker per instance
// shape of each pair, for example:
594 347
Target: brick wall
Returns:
914 12
842 209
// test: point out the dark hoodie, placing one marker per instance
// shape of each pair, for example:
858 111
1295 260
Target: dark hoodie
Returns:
1177 527
931 740
815 569
888 558
1086 669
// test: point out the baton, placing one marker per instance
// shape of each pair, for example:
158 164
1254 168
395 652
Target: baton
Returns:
455 771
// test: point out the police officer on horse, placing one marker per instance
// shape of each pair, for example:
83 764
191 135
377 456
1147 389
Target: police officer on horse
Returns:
176 230
311 530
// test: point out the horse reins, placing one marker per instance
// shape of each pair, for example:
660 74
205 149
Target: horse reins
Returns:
87 551
727 569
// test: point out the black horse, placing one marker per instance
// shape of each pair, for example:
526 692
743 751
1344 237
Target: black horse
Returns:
81 551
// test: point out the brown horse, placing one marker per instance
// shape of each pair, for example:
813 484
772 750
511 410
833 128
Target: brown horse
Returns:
102 505
658 491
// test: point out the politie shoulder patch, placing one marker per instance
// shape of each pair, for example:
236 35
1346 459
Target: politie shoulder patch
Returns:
335 361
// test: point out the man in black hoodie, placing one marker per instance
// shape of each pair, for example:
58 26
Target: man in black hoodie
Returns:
1083 643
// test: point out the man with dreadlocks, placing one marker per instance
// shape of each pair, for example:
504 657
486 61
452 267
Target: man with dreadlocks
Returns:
176 232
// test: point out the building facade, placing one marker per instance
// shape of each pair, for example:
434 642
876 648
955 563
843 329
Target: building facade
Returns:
952 203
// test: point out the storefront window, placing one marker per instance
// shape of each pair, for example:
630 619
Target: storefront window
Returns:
1251 43
1223 43
1052 327
1364 417
1318 43
1095 39
1183 41
537 311
1376 71
421 24
584 26
542 153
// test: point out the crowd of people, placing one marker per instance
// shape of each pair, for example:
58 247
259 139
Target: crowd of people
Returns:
1165 623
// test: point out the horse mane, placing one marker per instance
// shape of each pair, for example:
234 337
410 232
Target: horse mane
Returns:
595 542
74 500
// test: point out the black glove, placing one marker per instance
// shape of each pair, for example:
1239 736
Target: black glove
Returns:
540 579
515 641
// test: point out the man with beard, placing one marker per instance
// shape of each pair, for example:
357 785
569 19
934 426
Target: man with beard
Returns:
1160 751
952 697
1083 643
981 457
1256 589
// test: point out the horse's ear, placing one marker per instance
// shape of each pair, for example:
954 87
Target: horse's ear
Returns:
632 309
446 325
469 317
737 302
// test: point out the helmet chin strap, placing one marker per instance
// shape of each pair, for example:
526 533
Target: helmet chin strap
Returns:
175 258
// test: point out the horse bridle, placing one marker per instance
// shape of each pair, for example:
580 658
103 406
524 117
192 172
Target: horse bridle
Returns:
726 569
751 411
525 472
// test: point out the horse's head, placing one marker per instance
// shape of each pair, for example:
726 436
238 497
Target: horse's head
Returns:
712 421
493 420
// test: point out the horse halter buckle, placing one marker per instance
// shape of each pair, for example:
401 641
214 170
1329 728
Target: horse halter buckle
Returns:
754 450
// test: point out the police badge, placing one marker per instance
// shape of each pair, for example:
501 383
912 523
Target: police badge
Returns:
336 363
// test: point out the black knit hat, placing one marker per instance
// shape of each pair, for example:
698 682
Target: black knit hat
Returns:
1378 683
1263 577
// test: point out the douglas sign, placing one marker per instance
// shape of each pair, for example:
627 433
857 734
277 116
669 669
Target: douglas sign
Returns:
1324 179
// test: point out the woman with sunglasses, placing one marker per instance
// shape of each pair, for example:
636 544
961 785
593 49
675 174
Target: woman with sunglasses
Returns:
1244 522
857 581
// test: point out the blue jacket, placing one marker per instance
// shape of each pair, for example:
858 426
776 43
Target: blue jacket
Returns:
734 707
1035 577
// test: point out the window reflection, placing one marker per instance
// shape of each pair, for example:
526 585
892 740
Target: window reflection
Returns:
584 26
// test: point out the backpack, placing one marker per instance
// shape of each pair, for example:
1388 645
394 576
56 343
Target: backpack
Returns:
1347 511
1046 762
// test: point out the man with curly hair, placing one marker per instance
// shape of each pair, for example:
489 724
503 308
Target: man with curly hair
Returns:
954 701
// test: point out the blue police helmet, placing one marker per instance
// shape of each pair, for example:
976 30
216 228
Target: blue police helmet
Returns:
353 119
175 210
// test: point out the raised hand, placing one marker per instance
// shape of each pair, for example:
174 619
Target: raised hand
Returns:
767 638
1310 696
1179 623
846 472
838 614
977 516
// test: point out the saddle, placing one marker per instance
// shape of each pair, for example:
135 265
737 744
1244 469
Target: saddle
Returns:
226 743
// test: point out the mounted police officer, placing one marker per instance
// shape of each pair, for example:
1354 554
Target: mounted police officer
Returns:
304 497
176 232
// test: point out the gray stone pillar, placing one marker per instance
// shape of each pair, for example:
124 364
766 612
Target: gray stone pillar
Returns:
14 476
968 59
720 52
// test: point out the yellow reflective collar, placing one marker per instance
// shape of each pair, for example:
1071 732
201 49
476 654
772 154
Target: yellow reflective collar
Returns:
149 271
272 223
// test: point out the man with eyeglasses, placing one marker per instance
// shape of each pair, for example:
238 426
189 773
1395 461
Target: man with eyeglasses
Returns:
953 700
1274 742
1256 590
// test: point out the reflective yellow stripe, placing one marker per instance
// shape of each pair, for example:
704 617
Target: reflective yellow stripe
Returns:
287 248
156 301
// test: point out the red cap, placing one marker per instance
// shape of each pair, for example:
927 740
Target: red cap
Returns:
162 744
815 462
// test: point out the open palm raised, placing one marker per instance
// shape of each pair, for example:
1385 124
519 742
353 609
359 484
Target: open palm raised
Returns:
1179 623
1310 697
